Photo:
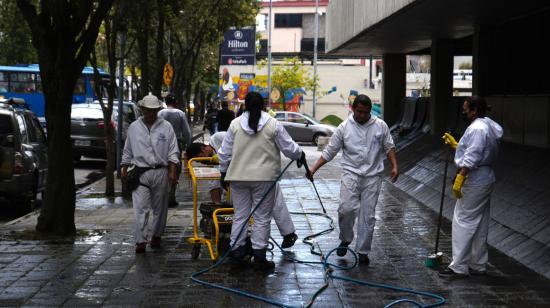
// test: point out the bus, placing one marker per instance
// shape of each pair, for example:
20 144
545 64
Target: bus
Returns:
23 81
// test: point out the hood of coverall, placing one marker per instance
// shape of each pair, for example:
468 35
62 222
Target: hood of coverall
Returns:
494 128
244 122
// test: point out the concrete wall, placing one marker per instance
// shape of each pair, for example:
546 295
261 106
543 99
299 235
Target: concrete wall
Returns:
308 23
347 18
344 78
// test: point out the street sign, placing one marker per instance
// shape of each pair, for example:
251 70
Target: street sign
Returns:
239 47
168 74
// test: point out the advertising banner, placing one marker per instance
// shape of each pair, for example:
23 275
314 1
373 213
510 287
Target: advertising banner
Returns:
239 47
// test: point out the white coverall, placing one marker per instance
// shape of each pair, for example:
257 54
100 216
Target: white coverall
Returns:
477 150
247 194
280 211
153 149
364 148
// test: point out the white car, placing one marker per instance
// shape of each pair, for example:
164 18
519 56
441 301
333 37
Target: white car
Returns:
303 128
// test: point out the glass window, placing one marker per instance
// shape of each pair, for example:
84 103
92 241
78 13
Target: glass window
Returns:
38 83
288 20
22 129
80 86
6 127
86 112
3 82
280 116
22 82
34 129
296 118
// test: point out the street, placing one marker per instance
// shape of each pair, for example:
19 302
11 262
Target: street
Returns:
86 171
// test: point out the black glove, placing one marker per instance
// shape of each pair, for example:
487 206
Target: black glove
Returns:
223 183
302 160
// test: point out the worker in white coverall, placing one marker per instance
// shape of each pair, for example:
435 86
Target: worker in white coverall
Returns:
475 154
280 211
152 144
365 141
250 160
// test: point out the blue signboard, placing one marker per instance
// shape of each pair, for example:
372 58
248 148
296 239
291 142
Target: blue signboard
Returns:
239 47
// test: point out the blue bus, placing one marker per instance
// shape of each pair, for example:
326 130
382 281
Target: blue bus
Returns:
23 81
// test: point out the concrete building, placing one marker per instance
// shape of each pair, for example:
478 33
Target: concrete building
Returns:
496 34
293 35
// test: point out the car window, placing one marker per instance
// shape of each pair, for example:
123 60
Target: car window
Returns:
6 127
22 129
35 131
80 86
280 116
86 112
296 118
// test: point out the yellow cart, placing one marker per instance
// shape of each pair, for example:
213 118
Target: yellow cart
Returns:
221 217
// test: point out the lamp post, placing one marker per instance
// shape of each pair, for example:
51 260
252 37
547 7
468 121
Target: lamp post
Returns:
269 55
119 145
316 26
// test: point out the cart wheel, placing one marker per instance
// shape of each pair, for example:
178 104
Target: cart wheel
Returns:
195 251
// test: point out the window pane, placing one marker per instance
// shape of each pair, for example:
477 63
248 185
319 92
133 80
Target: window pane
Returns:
280 116
288 20
3 82
22 82
80 86
296 118
6 126
22 129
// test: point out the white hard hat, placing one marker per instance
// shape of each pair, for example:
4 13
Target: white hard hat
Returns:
150 101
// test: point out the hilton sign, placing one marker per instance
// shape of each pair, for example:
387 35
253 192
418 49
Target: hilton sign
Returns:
238 47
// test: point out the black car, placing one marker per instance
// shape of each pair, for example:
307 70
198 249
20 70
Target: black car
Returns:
23 154
87 127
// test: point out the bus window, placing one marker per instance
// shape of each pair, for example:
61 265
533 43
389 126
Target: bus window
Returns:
3 82
22 82
38 83
80 87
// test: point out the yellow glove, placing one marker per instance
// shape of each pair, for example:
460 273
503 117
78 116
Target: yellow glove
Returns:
457 186
215 160
450 140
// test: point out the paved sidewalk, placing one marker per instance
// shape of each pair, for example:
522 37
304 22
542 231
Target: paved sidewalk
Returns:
99 267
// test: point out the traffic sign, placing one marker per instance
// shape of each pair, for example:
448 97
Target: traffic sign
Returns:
168 74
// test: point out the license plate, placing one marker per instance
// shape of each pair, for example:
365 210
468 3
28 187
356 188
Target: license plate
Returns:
82 143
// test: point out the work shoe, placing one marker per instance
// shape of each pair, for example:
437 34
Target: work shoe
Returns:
140 247
236 257
364 259
474 272
449 273
173 204
342 249
155 242
260 262
289 240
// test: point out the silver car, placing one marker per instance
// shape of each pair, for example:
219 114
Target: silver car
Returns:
303 128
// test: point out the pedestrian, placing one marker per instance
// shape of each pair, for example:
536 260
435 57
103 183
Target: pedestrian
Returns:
151 145
210 122
224 117
475 154
365 140
250 160
241 110
177 118
280 211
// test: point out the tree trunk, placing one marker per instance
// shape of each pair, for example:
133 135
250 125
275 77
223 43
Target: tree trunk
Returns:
57 212
143 47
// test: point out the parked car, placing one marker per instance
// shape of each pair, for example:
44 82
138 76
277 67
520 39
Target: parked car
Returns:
303 128
23 154
87 127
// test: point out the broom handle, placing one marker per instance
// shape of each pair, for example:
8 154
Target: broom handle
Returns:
442 201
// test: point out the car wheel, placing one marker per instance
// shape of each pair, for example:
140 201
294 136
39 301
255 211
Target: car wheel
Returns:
316 137
27 203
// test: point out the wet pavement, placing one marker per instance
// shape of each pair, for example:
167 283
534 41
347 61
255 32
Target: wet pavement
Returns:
98 267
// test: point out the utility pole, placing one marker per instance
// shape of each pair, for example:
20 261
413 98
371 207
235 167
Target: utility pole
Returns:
371 85
122 37
269 55
316 26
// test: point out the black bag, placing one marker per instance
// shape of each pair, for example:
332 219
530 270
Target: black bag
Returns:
132 181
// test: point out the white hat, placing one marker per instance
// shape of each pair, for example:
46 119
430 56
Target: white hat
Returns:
150 101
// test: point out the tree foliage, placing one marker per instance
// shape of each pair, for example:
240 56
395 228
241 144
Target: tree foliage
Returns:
15 36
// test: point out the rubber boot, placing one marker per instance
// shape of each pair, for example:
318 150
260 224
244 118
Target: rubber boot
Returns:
260 262
236 257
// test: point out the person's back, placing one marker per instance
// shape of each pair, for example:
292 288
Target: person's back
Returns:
177 118
224 117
